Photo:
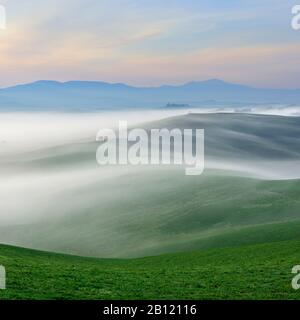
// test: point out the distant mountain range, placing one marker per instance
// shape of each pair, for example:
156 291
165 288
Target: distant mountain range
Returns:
92 95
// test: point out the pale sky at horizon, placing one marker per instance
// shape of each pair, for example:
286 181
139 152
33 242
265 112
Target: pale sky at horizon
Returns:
150 42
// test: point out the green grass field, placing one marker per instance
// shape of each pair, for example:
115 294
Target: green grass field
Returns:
248 272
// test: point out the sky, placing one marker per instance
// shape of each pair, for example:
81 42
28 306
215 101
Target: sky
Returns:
150 42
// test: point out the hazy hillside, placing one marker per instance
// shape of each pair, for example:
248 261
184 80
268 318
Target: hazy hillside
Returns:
88 96
249 193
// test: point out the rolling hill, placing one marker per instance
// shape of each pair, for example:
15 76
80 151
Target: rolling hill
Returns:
249 194
247 272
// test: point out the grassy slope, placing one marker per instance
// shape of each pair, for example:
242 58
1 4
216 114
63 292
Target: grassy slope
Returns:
170 213
160 213
146 211
249 272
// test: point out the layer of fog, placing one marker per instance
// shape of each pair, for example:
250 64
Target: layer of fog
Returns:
32 190
276 110
23 132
